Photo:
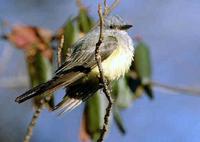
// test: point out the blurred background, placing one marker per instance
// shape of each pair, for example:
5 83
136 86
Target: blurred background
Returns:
171 30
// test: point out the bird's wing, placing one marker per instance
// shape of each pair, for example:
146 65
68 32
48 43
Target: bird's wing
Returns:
81 62
83 58
83 55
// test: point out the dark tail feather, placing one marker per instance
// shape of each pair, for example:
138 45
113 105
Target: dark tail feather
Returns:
47 87
77 93
67 104
50 86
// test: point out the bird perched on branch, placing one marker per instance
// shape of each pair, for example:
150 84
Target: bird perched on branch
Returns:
79 74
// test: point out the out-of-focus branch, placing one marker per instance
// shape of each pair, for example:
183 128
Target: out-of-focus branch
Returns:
105 8
108 10
35 117
175 88
102 78
33 122
60 50
189 91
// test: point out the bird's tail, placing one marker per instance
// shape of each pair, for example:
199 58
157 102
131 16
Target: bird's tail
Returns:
47 88
77 93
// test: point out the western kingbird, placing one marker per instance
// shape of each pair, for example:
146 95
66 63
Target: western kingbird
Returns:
79 74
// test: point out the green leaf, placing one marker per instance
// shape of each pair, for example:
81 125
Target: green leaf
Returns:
142 62
43 68
123 95
84 21
40 71
142 65
115 89
69 38
118 120
94 115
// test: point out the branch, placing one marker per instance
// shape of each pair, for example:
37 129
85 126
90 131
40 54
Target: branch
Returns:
59 53
105 8
166 87
34 119
102 78
176 89
108 10
32 125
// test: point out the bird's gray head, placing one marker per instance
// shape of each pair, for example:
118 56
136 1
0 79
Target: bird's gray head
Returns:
116 22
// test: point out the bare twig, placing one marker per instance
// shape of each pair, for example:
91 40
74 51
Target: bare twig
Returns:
188 90
60 50
105 8
33 122
192 91
35 117
32 125
102 78
109 9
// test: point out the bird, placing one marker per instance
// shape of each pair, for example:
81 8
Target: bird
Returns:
79 74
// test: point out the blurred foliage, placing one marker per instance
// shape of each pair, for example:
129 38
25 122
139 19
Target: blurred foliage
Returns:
40 71
37 46
93 117
118 120
69 38
85 22
142 62
139 77
35 42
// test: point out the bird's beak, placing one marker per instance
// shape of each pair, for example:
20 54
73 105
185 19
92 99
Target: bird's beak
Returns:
126 27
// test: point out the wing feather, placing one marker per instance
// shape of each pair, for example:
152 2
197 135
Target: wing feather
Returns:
83 54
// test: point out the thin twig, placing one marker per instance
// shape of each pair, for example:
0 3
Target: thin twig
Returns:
102 78
188 90
33 122
110 9
60 50
107 10
35 117
175 88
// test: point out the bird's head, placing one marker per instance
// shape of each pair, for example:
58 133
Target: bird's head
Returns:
116 22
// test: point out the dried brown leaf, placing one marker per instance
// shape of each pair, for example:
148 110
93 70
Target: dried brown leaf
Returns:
27 37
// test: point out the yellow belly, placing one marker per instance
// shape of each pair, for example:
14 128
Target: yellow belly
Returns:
116 65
